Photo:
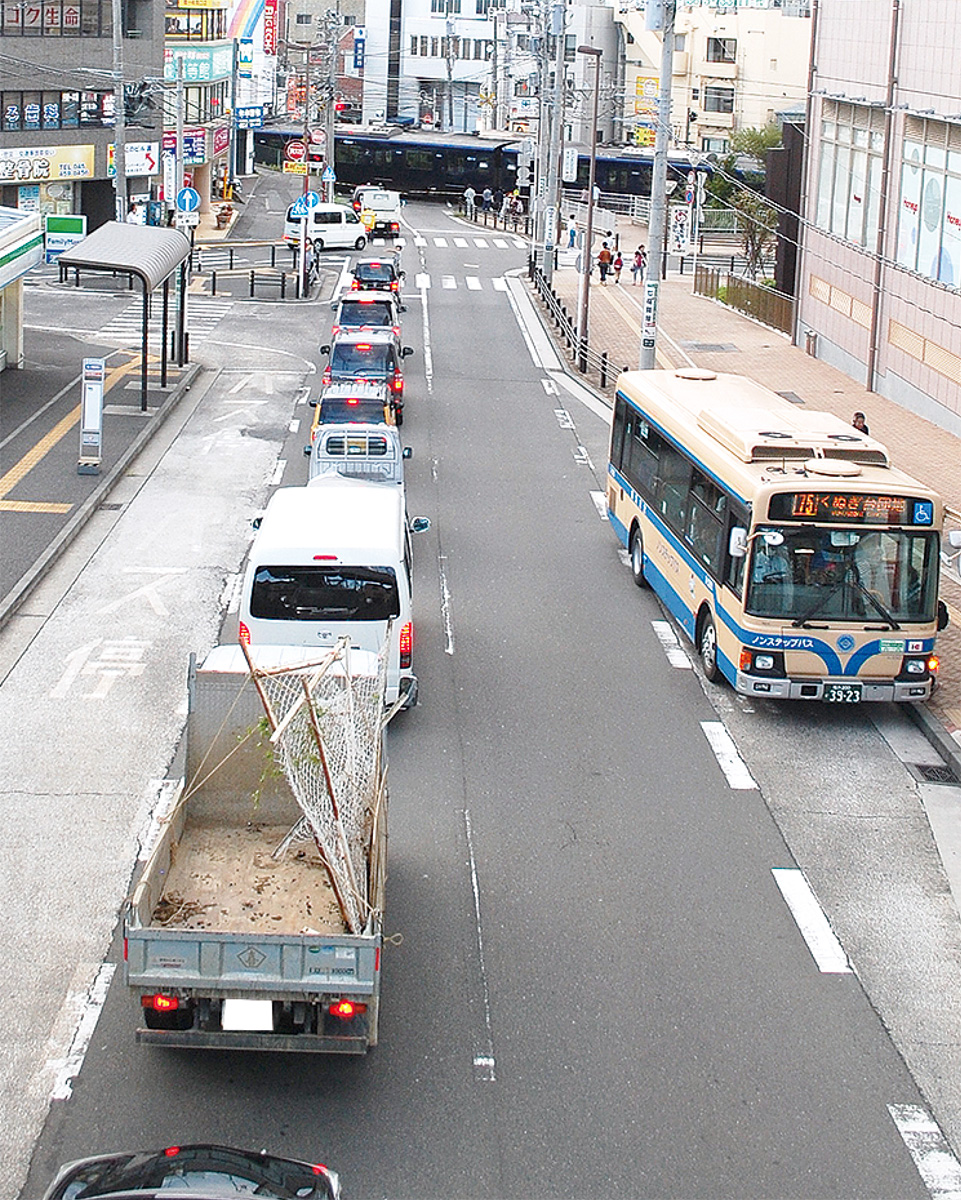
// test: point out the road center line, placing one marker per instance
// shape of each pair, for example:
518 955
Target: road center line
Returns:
825 948
483 1053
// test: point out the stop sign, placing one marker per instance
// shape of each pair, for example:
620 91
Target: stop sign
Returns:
295 151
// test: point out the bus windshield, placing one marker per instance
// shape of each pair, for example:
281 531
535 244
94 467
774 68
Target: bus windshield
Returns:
886 576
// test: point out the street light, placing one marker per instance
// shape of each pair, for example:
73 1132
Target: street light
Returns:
589 229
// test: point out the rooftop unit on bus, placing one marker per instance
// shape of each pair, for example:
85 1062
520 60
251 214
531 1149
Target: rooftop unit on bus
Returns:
759 426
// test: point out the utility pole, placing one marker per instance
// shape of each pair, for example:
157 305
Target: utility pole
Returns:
120 115
450 69
554 151
333 40
663 11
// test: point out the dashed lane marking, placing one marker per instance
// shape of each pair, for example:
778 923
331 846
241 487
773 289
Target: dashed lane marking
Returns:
732 765
664 631
820 938
927 1145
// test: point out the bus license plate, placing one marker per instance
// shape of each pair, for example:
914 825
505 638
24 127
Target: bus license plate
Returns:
842 693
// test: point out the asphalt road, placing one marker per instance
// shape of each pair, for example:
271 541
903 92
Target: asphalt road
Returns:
596 986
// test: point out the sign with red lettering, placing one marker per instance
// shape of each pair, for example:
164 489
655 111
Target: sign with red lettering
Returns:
270 27
295 151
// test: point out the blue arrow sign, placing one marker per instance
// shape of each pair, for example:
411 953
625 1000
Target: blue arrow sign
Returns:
311 199
188 200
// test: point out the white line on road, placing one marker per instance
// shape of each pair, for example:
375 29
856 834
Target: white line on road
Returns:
278 474
448 281
163 795
473 283
69 1068
445 606
422 281
428 356
600 503
734 768
927 1145
483 1055
675 652
230 596
461 243
549 386
294 425
499 283
825 948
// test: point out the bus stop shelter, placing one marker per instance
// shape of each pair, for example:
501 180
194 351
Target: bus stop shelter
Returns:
152 254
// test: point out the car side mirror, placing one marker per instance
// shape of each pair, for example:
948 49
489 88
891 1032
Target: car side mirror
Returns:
420 524
313 403
255 523
407 351
307 450
402 307
325 350
407 452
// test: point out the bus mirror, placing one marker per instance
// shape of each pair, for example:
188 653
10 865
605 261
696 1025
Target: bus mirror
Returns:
420 524
943 617
773 537
954 537
844 537
737 546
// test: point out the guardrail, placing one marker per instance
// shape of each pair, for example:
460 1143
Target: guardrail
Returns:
585 357
771 308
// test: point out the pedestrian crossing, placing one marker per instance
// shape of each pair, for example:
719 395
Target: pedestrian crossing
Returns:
423 282
506 241
203 315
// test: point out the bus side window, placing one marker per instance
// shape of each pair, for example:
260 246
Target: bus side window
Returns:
705 525
617 433
673 484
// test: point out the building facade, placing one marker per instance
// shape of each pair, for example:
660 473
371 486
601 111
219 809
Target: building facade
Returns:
735 67
879 291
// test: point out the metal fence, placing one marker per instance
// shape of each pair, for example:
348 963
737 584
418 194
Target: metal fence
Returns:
586 358
771 308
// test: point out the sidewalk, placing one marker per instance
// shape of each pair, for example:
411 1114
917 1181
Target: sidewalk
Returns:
705 332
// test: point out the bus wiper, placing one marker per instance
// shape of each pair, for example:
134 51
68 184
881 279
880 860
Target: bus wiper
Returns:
801 621
876 604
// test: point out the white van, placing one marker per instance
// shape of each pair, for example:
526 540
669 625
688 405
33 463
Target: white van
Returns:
385 207
330 226
331 559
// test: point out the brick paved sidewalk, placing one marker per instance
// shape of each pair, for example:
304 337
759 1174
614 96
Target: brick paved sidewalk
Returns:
707 333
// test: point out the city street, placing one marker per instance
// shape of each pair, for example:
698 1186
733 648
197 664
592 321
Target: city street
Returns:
594 981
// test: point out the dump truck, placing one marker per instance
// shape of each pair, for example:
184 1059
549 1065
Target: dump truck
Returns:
257 922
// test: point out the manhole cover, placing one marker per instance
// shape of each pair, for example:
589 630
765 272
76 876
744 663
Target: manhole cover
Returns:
111 507
937 774
709 347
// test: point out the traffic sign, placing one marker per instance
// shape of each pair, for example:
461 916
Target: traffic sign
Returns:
318 137
328 175
311 199
188 200
296 151
299 207
186 219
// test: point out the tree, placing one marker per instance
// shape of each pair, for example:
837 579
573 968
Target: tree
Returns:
756 142
757 221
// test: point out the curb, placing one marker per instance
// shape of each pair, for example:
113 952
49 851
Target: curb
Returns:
25 585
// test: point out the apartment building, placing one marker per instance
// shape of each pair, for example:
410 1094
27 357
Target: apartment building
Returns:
879 291
736 66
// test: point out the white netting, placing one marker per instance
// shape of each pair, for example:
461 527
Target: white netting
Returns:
328 734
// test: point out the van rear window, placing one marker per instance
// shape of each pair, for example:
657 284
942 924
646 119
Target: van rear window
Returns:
348 358
333 593
366 312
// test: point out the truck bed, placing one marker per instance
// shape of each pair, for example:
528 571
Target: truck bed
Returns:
227 879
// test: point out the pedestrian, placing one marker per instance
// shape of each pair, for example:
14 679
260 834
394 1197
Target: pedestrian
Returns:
487 199
505 205
470 201
639 264
517 208
604 260
498 200
571 231
860 423
310 262
618 266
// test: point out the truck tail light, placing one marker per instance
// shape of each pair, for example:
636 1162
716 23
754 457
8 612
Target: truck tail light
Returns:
346 1010
160 1003
325 378
406 645
243 634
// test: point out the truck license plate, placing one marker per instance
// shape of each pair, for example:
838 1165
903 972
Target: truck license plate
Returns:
247 1016
842 693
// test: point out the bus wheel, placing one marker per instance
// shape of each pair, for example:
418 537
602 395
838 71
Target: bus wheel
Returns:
637 559
707 648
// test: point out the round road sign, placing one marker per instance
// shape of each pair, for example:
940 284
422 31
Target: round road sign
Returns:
295 151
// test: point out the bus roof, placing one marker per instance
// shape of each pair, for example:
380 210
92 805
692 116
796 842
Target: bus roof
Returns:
750 436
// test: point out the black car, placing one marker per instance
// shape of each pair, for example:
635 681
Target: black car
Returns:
204 1171
377 274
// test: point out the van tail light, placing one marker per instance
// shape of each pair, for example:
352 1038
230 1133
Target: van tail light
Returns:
394 285
406 646
160 1003
243 634
325 378
354 285
346 1010
398 382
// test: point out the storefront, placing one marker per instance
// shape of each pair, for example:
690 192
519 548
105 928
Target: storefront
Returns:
21 247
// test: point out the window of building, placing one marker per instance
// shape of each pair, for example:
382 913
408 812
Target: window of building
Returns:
719 99
482 7
303 19
721 50
479 48
849 171
414 42
680 42
570 47
423 46
434 47
929 221
715 145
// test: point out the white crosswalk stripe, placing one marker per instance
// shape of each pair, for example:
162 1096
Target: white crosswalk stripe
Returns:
461 242
448 281
202 317
421 281
499 283
440 242
480 243
473 283
500 243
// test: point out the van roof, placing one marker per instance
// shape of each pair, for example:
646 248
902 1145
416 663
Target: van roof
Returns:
358 521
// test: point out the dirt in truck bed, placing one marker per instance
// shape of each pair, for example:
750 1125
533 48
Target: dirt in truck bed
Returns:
227 880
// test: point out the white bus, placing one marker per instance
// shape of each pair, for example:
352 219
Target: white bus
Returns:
801 564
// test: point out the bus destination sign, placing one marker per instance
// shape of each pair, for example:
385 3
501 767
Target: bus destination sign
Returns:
851 508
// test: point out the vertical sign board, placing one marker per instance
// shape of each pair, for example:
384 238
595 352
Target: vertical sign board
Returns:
270 27
649 334
550 226
680 231
91 416
360 45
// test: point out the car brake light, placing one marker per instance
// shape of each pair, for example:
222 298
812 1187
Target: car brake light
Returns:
243 634
346 1010
398 382
325 558
363 345
393 285
172 1151
375 264
354 285
406 645
320 1169
353 400
160 1003
325 378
